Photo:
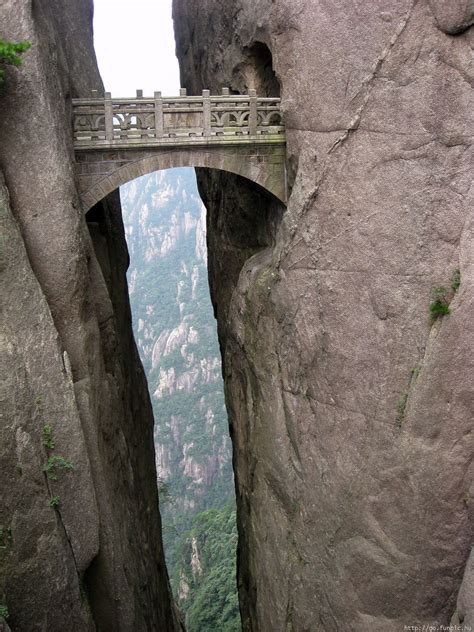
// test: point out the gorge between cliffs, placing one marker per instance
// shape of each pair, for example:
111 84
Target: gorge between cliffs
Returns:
343 310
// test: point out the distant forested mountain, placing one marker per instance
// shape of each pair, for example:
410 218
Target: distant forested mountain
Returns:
176 336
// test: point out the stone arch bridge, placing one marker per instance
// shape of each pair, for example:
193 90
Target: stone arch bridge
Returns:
117 140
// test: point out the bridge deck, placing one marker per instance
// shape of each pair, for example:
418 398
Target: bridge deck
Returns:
104 123
117 140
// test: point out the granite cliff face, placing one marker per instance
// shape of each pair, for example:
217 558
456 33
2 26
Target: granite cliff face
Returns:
351 412
81 547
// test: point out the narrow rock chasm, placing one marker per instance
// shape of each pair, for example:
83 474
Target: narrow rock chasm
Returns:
350 409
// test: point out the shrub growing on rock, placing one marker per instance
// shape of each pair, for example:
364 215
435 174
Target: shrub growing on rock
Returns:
10 55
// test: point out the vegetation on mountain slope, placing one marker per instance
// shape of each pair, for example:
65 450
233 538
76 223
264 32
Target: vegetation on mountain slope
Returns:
176 335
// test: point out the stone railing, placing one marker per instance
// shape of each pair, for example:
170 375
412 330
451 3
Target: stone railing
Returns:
107 121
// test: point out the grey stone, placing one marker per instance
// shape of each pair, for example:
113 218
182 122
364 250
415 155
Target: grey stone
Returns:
352 515
453 17
242 135
69 361
263 164
464 615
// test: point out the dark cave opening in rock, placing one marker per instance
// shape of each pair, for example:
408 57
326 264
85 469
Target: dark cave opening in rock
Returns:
257 72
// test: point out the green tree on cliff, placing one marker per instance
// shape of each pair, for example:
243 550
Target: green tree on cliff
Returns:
10 55
211 602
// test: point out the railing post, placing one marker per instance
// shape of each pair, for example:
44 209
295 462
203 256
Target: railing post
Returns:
159 127
253 112
206 113
225 92
182 92
109 117
139 94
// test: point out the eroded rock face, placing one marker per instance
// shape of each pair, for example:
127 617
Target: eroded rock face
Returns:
453 17
464 615
93 560
351 413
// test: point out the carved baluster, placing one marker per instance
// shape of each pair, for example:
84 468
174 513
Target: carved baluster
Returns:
206 113
177 119
94 128
253 112
159 127
109 117
140 120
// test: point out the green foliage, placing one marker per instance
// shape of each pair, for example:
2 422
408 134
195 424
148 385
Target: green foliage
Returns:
170 288
48 438
10 55
54 501
6 537
164 492
441 297
456 280
55 463
439 305
4 611
212 602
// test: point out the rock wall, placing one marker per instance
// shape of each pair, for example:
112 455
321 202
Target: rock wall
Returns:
351 412
81 548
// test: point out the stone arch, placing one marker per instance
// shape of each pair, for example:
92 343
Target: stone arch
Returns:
101 172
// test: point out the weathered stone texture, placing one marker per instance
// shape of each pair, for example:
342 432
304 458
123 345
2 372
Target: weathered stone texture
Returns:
4 627
99 172
69 361
351 415
464 615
